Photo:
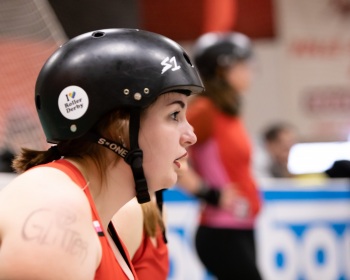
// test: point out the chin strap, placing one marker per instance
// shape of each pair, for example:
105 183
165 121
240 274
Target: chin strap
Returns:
135 158
159 199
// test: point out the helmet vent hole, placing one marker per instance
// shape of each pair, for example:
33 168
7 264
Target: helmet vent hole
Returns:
187 59
37 102
98 34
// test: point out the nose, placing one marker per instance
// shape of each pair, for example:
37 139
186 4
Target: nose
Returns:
188 138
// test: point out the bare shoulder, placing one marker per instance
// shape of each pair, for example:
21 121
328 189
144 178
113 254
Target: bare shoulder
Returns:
42 187
128 222
131 210
46 228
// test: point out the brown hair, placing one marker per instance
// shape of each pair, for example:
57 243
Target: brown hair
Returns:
225 97
153 220
113 126
272 133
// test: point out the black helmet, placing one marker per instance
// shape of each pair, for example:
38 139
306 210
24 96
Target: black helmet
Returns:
215 49
99 71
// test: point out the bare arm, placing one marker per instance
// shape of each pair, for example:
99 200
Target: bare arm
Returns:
188 179
191 182
46 229
128 222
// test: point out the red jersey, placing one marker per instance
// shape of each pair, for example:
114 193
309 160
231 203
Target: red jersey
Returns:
222 155
109 268
150 262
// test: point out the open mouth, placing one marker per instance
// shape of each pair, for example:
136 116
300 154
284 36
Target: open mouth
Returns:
181 160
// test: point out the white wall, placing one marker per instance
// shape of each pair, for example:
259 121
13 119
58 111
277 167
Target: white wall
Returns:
308 60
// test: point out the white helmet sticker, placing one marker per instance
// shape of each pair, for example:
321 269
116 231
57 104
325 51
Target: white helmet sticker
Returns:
73 102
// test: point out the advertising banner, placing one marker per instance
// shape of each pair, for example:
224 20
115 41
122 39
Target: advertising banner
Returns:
302 232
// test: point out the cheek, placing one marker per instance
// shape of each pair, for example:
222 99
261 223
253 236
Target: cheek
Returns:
157 145
159 155
240 78
153 141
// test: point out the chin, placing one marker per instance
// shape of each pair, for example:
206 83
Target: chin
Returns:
161 178
165 184
171 181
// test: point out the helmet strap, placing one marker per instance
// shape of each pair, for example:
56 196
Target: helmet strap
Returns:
159 200
135 158
115 147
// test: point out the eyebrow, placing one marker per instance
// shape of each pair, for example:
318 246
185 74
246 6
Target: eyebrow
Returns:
181 103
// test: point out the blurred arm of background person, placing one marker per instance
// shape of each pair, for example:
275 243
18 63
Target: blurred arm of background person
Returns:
191 182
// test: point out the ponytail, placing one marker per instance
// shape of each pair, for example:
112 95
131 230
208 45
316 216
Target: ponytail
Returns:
113 125
29 158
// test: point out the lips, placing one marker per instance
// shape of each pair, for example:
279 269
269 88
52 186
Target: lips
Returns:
180 160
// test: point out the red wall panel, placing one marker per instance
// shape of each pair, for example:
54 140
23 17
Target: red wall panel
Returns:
187 19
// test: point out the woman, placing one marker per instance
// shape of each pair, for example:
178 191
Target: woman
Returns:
101 97
221 173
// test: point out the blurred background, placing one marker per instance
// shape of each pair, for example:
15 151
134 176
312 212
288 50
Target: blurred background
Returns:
302 62
301 77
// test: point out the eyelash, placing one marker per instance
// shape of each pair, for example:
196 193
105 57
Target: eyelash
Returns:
174 115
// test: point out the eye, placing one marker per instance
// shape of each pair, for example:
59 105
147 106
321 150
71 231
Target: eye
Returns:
174 115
